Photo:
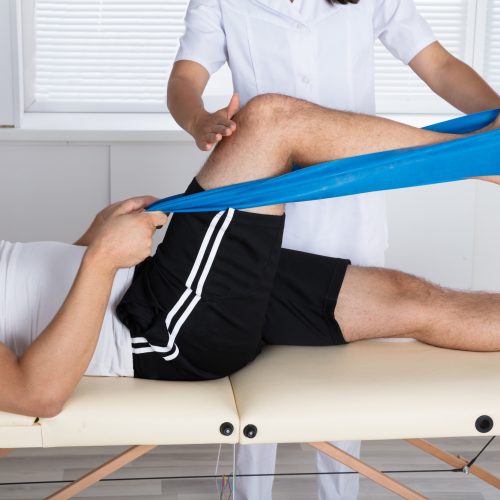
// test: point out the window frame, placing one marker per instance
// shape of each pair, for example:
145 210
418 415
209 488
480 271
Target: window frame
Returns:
22 68
27 12
11 100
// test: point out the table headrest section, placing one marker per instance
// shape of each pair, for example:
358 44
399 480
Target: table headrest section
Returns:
12 420
18 431
125 411
20 436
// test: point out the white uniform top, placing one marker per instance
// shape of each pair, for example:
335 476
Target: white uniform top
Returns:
324 54
35 278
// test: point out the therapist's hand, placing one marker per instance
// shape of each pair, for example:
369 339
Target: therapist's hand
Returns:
210 128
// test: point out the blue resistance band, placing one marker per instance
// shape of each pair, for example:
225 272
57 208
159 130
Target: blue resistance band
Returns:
473 156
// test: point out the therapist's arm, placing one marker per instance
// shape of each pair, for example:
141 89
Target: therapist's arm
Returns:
184 98
453 80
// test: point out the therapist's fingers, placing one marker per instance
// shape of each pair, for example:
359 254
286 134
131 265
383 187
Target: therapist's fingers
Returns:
213 128
229 126
213 138
221 129
220 118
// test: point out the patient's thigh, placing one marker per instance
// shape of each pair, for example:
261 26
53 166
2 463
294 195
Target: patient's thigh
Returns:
376 303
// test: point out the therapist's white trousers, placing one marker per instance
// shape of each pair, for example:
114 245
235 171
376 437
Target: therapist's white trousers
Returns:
261 459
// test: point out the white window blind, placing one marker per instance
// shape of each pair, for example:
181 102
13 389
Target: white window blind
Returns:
397 86
105 54
492 49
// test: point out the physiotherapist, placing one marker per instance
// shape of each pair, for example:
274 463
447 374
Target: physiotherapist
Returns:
321 51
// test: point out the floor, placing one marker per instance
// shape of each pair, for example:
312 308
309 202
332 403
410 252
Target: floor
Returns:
67 463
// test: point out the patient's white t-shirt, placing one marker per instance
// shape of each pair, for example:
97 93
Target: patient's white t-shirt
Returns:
35 278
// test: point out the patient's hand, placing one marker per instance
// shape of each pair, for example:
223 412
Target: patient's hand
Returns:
140 202
124 235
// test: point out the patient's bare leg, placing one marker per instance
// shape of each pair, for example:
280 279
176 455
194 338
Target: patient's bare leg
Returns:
375 303
276 131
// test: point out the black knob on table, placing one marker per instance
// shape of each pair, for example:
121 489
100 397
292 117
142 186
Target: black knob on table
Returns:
226 429
250 431
484 423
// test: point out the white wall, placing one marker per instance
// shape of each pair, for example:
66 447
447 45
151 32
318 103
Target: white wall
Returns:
432 232
51 191
447 233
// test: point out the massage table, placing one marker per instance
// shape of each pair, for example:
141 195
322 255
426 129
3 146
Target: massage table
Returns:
369 390
364 391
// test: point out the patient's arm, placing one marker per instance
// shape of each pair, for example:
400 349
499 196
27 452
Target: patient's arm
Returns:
41 380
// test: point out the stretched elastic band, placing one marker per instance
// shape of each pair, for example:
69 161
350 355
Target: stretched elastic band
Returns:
474 156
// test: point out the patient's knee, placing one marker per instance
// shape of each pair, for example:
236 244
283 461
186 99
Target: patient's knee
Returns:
423 302
266 110
414 289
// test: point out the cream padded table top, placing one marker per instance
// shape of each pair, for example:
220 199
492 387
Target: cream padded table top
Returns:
366 390
124 411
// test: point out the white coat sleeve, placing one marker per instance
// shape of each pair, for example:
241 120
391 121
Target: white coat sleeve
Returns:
204 40
401 28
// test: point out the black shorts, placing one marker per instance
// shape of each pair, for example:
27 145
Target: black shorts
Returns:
220 287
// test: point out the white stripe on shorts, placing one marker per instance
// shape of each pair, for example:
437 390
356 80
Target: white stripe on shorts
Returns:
188 292
201 282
